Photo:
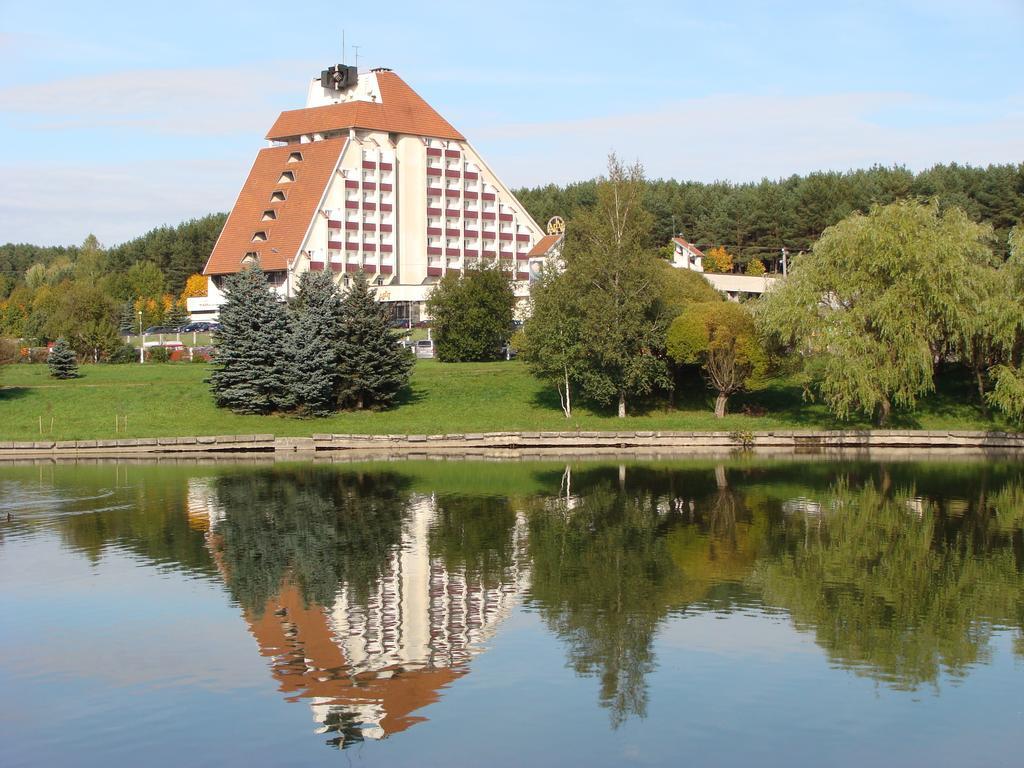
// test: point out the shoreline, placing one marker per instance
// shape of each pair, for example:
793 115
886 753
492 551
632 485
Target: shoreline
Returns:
528 444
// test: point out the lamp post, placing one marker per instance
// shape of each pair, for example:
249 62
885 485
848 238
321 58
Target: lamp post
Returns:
142 341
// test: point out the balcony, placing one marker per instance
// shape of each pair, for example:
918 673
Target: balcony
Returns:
369 226
369 186
452 153
452 193
333 224
316 266
351 184
432 171
488 196
452 252
520 238
351 267
350 225
386 187
452 232
505 236
369 247
350 204
488 215
471 234
386 269
522 256
369 206
386 227
434 152
433 192
435 271
433 250
488 254
386 166
433 211
471 214
471 175
472 253
435 231
351 246
386 207
369 268
335 245
335 267
504 217
452 213
452 174
369 165
386 248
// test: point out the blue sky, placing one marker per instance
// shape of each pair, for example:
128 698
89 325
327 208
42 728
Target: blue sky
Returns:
118 117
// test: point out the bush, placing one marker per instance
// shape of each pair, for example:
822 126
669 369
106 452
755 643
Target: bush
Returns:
10 351
472 315
755 268
125 353
159 354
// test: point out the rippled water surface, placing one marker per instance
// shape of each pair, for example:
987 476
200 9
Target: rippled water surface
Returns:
453 613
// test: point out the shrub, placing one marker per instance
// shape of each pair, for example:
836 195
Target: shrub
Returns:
159 354
125 353
755 268
63 363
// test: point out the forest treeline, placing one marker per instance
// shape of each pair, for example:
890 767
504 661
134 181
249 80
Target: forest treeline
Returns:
757 219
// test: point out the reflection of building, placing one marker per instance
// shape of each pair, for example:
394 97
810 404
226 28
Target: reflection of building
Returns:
368 176
368 662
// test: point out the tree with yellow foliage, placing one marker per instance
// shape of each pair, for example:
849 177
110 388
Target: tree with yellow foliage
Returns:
195 286
718 260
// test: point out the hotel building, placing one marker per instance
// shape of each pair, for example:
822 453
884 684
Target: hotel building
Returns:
368 176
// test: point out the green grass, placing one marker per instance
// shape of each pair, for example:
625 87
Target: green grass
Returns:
173 400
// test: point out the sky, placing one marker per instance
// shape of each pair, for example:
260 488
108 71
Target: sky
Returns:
119 117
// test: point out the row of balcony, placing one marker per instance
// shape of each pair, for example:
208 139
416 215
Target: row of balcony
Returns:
337 266
439 270
373 165
367 226
338 245
436 250
370 186
353 205
438 152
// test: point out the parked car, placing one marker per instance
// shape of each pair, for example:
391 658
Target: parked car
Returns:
203 326
160 329
425 348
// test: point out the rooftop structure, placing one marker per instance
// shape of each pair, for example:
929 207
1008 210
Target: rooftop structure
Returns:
368 176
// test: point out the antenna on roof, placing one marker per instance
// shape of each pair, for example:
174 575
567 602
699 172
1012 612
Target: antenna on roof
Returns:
356 49
343 46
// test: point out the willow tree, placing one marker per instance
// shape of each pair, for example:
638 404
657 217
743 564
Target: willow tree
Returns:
876 296
1008 374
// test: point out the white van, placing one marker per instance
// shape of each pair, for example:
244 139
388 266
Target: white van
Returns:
424 348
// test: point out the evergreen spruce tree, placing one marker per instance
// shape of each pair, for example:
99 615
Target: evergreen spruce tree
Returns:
126 324
313 344
63 363
251 372
373 367
177 316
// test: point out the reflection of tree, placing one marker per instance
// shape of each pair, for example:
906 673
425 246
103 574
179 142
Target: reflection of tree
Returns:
892 586
475 536
323 526
602 578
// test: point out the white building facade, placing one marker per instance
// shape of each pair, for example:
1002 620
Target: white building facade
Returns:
367 176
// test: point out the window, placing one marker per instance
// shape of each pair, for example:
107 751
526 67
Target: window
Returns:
295 157
259 237
380 281
278 196
269 215
286 177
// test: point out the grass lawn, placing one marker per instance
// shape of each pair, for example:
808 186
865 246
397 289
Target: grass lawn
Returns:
173 400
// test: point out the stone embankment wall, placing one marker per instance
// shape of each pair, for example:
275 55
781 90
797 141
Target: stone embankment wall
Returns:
533 443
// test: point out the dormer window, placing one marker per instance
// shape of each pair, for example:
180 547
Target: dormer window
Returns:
295 157
269 215
260 237
278 196
286 177
250 258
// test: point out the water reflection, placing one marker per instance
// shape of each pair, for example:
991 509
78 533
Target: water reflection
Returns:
368 598
370 590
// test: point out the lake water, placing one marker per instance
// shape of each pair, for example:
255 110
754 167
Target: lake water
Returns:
692 612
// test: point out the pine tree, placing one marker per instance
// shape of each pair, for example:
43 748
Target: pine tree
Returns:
63 363
176 315
373 367
126 324
251 373
313 344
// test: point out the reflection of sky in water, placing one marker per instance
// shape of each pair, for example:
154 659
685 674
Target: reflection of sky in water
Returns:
116 660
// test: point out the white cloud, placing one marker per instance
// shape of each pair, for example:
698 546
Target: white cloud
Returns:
214 101
61 204
742 138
